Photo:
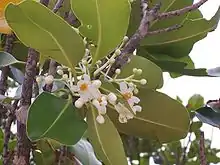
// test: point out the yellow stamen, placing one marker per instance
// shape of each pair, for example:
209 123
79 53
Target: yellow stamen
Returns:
84 87
127 95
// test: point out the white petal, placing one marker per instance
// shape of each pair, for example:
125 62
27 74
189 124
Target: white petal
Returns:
95 103
102 110
135 99
137 108
86 77
122 119
100 119
94 92
123 87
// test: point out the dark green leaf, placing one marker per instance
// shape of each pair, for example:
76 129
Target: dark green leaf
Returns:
98 24
156 120
195 126
208 116
47 39
59 120
105 140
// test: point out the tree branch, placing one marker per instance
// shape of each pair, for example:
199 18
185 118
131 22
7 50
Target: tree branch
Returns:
169 29
148 15
181 11
7 133
58 5
202 149
23 143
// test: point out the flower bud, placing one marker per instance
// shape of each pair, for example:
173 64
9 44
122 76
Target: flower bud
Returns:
100 119
139 72
79 103
118 71
117 52
135 70
125 39
143 81
111 60
49 80
97 83
60 72
112 98
65 77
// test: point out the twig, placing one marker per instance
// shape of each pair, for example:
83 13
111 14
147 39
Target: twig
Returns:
148 15
45 2
181 11
7 132
202 149
58 5
169 29
23 143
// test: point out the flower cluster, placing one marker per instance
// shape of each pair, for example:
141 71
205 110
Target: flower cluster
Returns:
88 91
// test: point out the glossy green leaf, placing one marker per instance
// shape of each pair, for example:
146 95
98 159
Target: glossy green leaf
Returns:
105 140
84 152
65 47
151 72
7 59
156 121
103 22
59 120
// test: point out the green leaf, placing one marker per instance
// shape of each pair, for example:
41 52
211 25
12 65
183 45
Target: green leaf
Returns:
1 134
65 46
103 22
151 72
59 120
7 59
179 43
156 121
84 152
209 116
195 126
105 140
195 102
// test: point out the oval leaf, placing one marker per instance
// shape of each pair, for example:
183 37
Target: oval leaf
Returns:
151 72
59 120
65 46
7 59
103 22
105 140
162 118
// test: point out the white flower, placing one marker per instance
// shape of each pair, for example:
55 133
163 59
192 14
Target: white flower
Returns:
86 89
79 103
100 104
127 92
124 113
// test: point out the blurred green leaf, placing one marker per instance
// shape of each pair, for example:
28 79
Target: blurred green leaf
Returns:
151 72
7 59
98 24
105 140
156 120
195 126
59 120
195 102
47 39
1 134
84 152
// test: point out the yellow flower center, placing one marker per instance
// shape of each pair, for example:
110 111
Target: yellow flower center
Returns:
84 87
127 95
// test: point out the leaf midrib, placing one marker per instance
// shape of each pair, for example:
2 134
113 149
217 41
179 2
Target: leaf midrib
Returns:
97 133
58 117
55 40
159 124
99 31
180 39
